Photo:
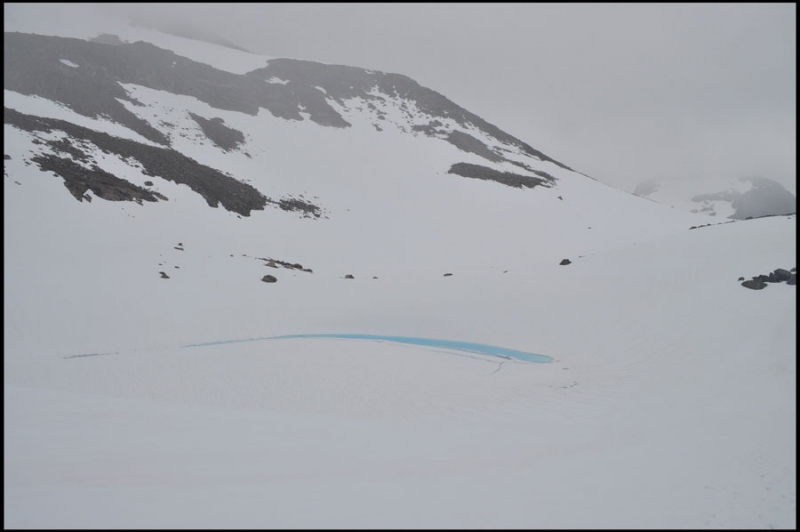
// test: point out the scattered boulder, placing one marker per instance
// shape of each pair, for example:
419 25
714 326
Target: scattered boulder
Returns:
448 275
374 277
755 284
269 279
164 275
272 264
781 275
148 183
740 279
565 262
348 276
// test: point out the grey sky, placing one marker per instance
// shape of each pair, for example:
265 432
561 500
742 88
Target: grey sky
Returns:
620 92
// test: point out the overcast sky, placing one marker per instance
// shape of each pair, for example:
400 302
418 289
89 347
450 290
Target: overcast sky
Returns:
621 92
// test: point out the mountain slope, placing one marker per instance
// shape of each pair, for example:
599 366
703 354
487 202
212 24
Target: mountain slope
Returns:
151 184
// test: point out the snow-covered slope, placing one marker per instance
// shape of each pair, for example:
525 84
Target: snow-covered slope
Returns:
149 184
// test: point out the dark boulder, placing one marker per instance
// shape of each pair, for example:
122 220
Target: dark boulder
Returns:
164 275
565 262
755 283
269 279
781 275
448 275
792 280
348 276
740 279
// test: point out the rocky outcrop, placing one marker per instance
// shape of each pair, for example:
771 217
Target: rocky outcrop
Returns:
565 262
215 187
759 282
215 129
79 180
755 284
476 171
269 279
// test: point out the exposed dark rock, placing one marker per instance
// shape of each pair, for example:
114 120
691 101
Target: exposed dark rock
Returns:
755 284
766 198
32 66
781 275
6 157
428 129
269 279
104 185
792 280
565 262
214 186
148 183
273 263
342 83
348 276
476 171
215 129
740 279
294 204
164 275
447 275
470 144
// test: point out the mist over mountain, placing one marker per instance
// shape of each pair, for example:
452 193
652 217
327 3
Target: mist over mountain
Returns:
259 292
740 199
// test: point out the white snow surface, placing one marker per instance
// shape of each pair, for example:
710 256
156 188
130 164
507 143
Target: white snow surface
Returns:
670 403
